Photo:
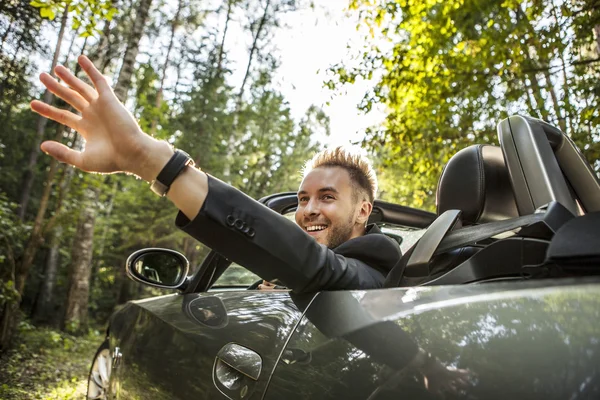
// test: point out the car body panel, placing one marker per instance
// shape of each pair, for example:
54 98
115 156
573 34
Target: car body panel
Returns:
533 340
169 344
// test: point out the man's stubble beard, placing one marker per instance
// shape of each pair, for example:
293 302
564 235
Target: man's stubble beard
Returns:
340 234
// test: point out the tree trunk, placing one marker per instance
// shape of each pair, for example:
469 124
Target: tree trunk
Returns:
36 236
254 49
102 241
6 84
597 32
231 142
159 95
76 308
219 70
103 48
9 309
43 310
131 52
28 175
6 33
550 89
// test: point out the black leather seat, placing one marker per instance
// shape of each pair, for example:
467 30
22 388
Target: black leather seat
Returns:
476 182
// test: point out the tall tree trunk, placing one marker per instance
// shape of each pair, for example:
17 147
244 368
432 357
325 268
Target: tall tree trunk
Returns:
568 107
219 70
159 95
43 310
76 307
5 85
253 50
102 49
6 33
36 235
597 32
9 309
555 104
131 51
27 180
45 304
232 138
102 241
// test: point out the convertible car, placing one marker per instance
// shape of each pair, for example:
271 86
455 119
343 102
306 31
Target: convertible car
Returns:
496 296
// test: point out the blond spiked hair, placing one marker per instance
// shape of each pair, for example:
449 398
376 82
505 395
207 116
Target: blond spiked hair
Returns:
361 171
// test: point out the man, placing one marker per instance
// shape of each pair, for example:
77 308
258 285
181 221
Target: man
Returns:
335 197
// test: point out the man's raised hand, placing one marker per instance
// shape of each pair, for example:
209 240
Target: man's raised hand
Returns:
114 140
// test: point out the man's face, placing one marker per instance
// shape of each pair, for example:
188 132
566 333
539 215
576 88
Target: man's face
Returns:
327 210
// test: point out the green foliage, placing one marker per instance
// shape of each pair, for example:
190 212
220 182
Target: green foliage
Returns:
451 70
47 364
12 236
86 13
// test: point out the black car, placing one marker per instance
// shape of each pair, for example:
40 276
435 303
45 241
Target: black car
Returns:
495 297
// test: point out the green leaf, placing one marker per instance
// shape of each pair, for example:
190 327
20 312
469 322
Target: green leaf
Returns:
47 12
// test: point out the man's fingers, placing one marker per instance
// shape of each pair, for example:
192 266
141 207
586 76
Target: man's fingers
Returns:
85 90
61 116
65 93
62 153
97 78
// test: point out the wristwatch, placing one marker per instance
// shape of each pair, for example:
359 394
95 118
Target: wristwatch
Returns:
170 172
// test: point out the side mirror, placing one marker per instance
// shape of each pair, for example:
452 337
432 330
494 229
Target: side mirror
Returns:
162 268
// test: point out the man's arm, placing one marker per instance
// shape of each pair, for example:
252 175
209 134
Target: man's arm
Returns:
272 246
116 143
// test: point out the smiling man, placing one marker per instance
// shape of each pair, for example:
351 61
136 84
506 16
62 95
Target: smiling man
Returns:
335 197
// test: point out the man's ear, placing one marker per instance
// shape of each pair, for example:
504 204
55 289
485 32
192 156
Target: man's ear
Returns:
364 212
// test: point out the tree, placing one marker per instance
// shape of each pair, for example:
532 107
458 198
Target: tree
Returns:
76 312
455 69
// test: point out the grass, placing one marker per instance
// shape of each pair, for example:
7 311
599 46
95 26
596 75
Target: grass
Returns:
47 364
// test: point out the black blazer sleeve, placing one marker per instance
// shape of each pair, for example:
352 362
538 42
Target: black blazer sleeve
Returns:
272 246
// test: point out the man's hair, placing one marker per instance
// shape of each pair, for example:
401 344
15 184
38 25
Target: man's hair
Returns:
361 171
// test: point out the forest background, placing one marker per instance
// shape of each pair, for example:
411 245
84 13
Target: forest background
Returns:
444 72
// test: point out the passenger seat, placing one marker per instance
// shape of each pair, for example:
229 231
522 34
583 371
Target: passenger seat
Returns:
476 182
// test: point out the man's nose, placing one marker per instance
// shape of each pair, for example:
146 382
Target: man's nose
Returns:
311 209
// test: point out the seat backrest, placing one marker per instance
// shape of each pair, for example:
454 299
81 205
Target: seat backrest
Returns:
476 182
545 165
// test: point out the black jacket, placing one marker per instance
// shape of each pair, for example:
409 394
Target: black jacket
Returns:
272 246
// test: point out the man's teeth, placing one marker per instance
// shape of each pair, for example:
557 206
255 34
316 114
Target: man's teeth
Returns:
316 228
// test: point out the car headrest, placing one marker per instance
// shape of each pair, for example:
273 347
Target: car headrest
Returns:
476 181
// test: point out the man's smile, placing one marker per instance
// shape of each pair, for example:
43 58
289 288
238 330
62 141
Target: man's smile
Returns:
315 229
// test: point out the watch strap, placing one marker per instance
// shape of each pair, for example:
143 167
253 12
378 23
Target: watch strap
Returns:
178 161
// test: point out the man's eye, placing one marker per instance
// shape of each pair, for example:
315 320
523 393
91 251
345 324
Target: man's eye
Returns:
303 199
328 197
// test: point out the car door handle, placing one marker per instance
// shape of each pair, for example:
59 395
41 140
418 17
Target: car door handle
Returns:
241 359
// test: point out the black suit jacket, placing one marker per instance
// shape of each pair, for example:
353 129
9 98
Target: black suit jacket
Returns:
272 246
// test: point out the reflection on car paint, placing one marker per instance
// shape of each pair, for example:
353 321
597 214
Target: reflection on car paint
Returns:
540 342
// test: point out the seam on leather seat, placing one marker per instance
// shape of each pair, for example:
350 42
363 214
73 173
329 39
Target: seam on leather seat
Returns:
481 183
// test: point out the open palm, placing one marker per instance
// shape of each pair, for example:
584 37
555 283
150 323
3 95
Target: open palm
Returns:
114 140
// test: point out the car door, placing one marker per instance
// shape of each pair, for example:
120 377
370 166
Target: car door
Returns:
218 344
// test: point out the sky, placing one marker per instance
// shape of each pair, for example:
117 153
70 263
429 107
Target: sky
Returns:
311 41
